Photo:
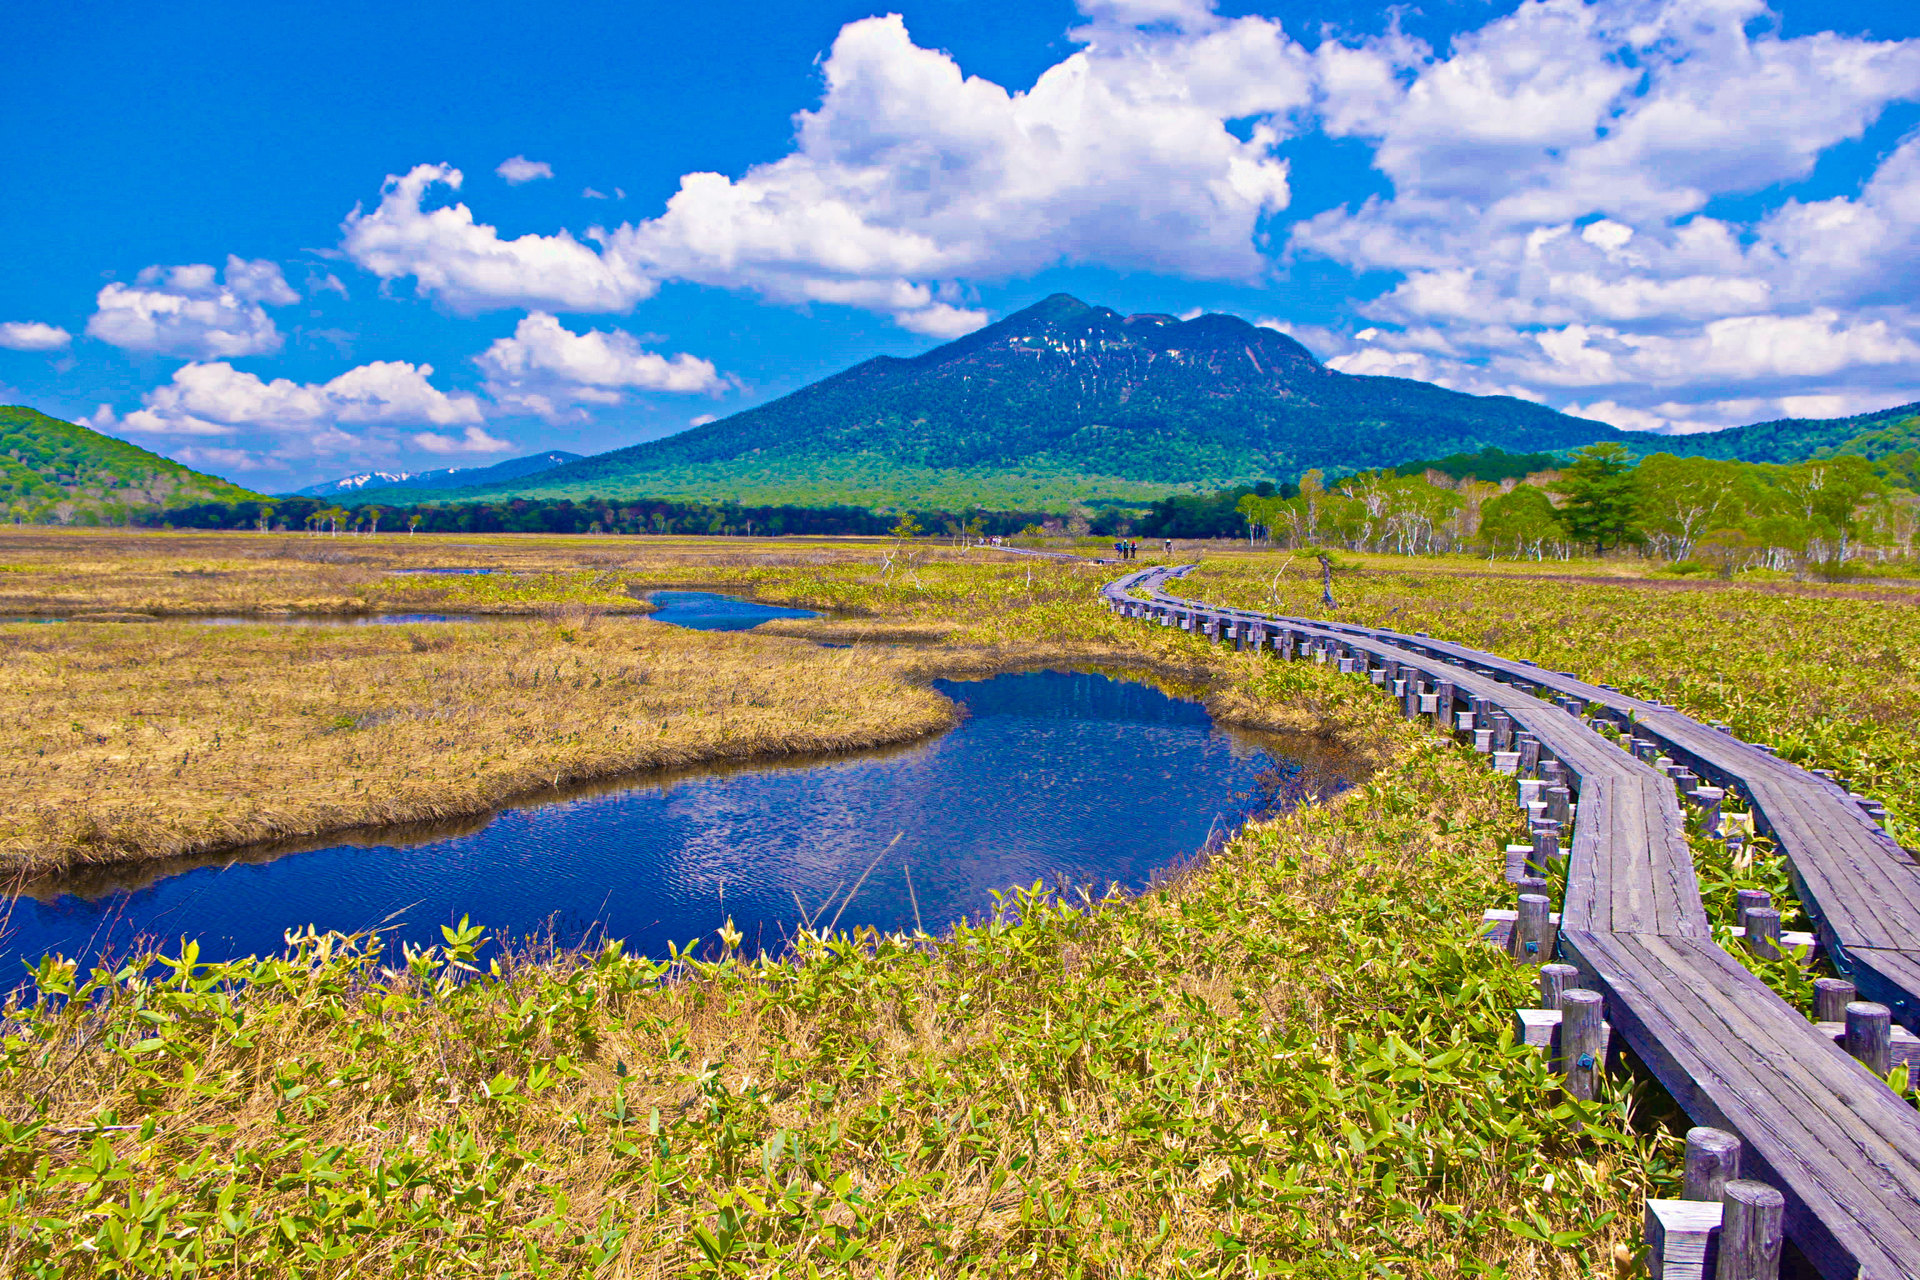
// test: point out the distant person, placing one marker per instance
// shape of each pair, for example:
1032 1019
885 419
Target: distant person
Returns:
1169 546
1133 549
1120 550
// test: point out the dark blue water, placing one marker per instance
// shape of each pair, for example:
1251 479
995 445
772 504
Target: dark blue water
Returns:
708 611
1072 778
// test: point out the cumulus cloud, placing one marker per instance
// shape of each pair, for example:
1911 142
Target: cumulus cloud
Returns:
474 440
274 421
911 176
1551 174
32 335
187 311
519 169
548 370
468 267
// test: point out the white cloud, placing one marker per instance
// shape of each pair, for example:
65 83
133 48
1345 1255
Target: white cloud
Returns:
519 169
911 176
185 311
1549 173
474 440
549 370
273 422
470 268
703 419
32 335
1749 350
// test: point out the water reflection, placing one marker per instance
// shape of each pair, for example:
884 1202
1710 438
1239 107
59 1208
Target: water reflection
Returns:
710 611
1076 778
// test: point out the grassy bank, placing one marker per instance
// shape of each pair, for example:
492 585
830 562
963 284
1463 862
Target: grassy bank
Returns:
1830 676
126 742
1287 1061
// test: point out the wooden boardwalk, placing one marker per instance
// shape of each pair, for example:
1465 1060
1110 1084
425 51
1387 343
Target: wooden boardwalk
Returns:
1842 1147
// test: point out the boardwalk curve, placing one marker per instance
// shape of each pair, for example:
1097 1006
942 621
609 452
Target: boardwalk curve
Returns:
1842 1147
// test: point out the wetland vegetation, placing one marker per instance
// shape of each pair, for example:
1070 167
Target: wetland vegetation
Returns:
1290 1058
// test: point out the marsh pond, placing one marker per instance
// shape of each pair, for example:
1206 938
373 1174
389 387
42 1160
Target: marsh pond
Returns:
1069 777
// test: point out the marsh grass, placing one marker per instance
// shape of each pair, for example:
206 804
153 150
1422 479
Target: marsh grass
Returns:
1288 1061
1827 676
122 742
1291 1058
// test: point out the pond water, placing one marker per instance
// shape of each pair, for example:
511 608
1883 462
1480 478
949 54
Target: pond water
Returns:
709 611
1067 777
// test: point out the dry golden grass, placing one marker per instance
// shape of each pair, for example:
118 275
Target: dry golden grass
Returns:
127 742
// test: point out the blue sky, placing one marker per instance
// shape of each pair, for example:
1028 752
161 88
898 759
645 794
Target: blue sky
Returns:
286 242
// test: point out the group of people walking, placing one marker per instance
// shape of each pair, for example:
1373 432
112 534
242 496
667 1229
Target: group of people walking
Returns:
1128 549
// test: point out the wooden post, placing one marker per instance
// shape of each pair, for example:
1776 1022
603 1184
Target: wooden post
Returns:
1709 799
1530 925
1546 847
1529 755
1502 731
1751 1231
1554 981
1831 996
1869 1035
1713 1160
1581 1041
1443 704
1763 932
1560 805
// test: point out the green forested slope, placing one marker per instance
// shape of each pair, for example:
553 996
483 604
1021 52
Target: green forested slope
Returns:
53 471
1064 401
1795 439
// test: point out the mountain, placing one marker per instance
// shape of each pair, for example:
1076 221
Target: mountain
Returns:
1792 439
373 486
52 470
1058 403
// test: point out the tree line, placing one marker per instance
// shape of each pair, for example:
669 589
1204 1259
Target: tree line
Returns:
1701 511
566 515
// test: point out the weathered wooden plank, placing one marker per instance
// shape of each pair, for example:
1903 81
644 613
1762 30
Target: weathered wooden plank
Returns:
1842 1147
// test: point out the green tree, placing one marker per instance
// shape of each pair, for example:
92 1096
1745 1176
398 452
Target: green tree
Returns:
1520 523
1680 499
1602 493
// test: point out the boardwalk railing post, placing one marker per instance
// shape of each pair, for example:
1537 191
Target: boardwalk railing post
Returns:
1554 980
1870 1035
1763 932
1713 1160
1530 925
1582 1041
1831 996
1682 1234
1752 1231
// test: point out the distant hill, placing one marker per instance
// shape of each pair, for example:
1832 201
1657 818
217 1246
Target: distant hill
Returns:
1058 403
1792 439
406 486
56 471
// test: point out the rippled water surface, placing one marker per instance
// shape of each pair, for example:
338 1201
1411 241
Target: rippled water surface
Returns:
1063 777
